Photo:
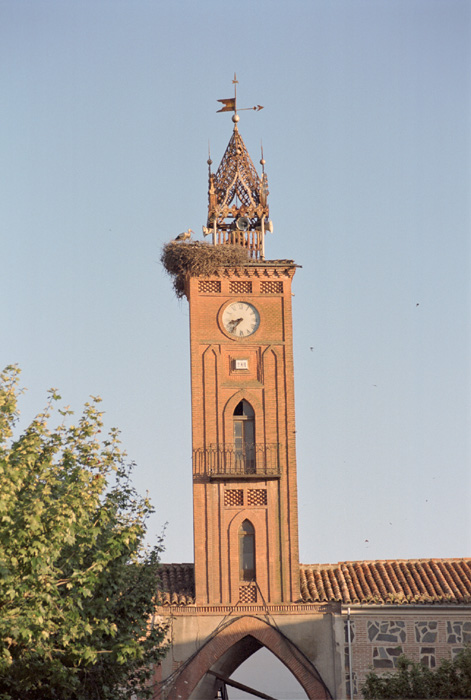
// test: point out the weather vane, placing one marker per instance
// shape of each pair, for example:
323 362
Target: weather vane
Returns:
230 105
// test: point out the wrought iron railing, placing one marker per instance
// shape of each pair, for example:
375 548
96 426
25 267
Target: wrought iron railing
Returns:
254 460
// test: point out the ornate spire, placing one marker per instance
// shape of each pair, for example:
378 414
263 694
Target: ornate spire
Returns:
238 209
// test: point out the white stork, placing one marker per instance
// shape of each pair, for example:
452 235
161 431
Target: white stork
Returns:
184 236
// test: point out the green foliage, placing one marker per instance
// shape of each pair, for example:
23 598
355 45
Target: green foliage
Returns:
452 679
76 585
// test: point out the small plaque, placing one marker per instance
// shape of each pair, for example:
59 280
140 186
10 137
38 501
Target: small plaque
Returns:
241 364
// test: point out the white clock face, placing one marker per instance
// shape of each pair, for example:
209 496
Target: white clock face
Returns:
240 319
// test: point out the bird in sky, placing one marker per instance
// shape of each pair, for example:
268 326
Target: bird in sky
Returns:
185 235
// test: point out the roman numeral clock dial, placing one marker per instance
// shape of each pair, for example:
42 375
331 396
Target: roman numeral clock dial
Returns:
240 319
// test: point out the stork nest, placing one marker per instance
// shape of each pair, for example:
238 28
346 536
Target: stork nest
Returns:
199 260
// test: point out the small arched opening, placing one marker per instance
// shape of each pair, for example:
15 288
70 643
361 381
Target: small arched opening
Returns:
247 551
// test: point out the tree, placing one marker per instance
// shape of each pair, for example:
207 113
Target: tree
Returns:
452 679
77 585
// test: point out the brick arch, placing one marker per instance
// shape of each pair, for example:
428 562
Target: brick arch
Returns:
228 412
246 394
272 349
231 646
274 400
258 520
209 400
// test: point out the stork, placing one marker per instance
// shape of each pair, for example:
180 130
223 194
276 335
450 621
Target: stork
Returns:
184 236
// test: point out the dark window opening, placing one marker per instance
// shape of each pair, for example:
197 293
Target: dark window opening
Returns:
244 437
247 551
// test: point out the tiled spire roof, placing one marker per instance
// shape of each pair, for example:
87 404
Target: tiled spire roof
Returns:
380 582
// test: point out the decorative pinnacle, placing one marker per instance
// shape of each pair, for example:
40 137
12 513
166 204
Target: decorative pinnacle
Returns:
209 161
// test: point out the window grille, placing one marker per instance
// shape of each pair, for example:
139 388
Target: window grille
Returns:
257 497
247 594
240 287
209 286
271 287
233 497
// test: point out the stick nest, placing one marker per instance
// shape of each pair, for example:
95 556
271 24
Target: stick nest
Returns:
199 260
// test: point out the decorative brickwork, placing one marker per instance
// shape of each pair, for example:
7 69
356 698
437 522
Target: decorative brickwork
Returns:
247 594
352 631
347 673
355 684
233 497
426 631
271 287
386 657
240 287
458 632
209 286
428 657
387 631
257 497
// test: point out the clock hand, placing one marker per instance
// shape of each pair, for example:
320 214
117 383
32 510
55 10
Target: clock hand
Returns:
235 323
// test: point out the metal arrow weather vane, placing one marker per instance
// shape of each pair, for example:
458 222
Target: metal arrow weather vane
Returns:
230 105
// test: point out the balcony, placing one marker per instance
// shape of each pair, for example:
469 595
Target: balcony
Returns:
254 461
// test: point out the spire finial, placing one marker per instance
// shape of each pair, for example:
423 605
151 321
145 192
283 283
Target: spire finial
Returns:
230 104
209 161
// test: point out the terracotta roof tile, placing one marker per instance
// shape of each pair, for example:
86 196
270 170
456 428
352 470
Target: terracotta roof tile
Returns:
453 572
348 582
321 595
408 575
390 582
176 585
413 581
463 569
345 593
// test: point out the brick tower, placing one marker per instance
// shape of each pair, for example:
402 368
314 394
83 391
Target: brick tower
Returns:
246 590
243 425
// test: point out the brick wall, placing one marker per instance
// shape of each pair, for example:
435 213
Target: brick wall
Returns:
380 636
217 387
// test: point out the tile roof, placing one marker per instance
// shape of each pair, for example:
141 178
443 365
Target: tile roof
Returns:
381 582
390 581
176 585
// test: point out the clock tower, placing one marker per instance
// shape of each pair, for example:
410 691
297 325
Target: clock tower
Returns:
243 425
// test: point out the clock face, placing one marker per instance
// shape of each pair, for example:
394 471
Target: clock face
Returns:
240 319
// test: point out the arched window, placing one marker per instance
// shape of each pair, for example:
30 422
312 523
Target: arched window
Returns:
244 437
247 551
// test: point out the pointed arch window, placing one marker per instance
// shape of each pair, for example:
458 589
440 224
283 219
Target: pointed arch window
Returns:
244 437
247 551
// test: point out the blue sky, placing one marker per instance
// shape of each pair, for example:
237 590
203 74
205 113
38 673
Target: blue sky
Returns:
106 115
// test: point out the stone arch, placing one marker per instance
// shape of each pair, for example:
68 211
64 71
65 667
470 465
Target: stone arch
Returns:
230 646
